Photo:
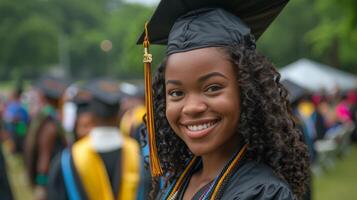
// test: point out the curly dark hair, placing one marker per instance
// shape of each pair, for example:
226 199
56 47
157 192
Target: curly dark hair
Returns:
265 123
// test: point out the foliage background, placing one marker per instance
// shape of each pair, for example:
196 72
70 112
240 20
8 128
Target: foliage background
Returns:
64 36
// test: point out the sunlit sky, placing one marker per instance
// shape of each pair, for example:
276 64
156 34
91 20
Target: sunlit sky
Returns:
147 2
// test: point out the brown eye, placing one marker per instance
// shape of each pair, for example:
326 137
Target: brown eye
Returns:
213 88
176 93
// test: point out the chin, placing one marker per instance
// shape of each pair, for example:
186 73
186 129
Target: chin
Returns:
199 149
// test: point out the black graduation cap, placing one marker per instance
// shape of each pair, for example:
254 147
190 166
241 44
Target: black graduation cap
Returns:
132 90
106 97
52 87
191 24
296 91
82 99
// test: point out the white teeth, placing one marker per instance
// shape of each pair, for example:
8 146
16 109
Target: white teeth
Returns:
199 127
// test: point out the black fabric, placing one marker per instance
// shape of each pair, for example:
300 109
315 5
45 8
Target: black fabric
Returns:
102 109
207 28
256 181
52 87
5 190
112 165
106 96
257 14
56 186
105 90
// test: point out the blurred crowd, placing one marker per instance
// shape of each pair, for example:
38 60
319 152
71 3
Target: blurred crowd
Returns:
327 120
90 119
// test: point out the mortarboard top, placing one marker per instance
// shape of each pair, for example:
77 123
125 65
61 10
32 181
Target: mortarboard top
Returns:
132 90
105 90
82 99
52 87
106 97
190 24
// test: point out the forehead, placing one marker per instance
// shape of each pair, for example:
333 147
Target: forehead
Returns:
198 61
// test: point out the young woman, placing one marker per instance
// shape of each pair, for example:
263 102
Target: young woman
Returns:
223 126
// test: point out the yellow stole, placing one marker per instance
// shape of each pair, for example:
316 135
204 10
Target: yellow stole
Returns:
94 177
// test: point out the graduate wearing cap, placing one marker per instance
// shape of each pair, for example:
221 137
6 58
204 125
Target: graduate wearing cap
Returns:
45 137
105 164
78 119
218 117
16 119
84 121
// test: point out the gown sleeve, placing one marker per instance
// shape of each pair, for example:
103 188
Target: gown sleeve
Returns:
56 189
267 191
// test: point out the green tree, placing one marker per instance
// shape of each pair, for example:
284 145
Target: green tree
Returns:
127 55
28 38
335 37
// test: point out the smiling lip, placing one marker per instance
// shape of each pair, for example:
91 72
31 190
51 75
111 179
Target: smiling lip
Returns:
199 129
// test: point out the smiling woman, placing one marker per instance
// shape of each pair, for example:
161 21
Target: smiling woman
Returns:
222 120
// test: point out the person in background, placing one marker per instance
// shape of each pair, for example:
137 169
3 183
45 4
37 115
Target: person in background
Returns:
352 99
46 136
78 120
16 119
132 109
85 119
103 164
5 188
222 123
131 123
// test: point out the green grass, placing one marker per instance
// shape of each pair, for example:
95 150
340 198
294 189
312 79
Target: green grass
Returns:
17 176
339 183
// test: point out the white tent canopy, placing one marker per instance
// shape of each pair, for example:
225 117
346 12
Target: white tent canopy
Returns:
315 76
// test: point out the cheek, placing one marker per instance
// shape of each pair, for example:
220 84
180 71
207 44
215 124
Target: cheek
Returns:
172 113
229 105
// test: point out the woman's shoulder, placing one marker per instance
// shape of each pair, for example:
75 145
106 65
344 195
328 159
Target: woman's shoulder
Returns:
255 180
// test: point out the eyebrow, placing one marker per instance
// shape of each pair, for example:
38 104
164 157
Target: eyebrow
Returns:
201 79
175 82
209 75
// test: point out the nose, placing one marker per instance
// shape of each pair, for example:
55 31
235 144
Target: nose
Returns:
194 105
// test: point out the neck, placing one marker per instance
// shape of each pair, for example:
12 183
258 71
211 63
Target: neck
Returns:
110 121
213 163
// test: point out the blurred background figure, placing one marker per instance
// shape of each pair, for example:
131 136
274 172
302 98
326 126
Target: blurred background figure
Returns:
77 118
85 119
5 189
132 109
46 136
16 119
352 100
103 164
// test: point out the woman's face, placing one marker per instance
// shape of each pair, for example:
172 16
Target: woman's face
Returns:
202 100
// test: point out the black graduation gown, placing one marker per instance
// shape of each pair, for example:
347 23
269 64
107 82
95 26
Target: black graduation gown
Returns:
250 181
5 190
56 186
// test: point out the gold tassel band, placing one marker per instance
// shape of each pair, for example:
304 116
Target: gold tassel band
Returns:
154 158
